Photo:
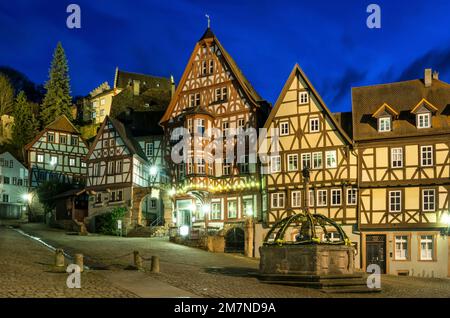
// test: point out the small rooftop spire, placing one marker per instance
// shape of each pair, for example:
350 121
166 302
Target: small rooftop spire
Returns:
209 20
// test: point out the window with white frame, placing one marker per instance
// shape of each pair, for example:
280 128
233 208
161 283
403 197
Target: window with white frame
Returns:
396 157
426 156
303 98
306 160
225 128
331 159
119 166
351 196
204 67
428 200
232 209
226 168
63 139
424 120
96 169
317 160
111 167
216 211
40 158
50 137
277 200
284 128
384 124
426 247
395 201
321 197
189 125
200 166
275 164
401 247
336 197
296 199
292 162
190 166
53 160
314 125
102 101
72 162
211 168
311 198
149 148
194 100
200 126
241 123
244 164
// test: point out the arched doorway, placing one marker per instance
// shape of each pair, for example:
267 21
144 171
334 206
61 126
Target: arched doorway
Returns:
235 240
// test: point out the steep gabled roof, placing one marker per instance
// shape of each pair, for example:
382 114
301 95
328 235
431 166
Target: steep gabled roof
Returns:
125 135
61 124
297 70
385 108
254 97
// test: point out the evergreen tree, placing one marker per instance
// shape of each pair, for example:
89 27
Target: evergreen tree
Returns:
25 125
6 96
57 100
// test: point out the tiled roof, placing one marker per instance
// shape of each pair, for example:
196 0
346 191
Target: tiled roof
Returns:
403 97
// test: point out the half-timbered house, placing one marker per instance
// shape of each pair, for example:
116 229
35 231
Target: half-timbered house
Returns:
118 174
213 94
303 133
402 132
57 153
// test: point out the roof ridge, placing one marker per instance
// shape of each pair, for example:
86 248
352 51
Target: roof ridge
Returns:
136 73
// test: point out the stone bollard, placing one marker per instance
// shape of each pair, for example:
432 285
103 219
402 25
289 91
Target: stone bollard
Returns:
155 264
59 258
138 260
79 261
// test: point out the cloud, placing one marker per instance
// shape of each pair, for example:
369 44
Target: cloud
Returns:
438 60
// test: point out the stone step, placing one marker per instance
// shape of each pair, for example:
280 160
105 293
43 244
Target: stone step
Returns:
355 289
310 278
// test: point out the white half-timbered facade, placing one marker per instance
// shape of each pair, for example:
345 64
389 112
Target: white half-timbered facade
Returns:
57 153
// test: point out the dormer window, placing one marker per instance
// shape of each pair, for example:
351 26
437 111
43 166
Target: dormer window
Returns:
423 111
384 124
384 116
424 120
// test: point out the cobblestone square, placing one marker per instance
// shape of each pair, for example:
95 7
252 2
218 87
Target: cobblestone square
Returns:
26 270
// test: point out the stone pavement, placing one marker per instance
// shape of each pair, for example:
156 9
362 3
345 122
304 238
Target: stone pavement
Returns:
26 271
211 274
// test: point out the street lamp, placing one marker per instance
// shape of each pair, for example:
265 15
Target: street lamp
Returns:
153 171
445 219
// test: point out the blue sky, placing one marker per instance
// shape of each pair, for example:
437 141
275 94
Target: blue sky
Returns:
329 40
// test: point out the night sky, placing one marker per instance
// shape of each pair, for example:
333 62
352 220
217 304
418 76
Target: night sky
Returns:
329 40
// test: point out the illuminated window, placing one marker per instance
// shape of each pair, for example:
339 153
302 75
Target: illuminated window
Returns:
216 211
331 160
232 209
401 247
426 247
275 164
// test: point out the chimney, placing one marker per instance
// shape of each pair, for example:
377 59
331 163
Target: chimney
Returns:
136 87
436 75
428 79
